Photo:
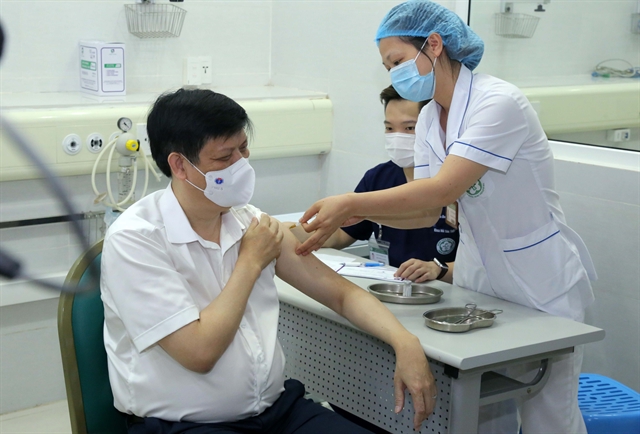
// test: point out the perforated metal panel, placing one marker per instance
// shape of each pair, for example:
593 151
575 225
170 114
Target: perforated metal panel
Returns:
353 370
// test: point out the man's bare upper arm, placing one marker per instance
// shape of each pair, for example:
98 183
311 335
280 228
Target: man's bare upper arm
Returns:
308 274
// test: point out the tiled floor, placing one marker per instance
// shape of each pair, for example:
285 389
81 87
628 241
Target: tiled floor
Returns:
50 418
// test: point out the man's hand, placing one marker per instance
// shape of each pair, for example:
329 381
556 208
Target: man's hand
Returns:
413 373
262 243
418 271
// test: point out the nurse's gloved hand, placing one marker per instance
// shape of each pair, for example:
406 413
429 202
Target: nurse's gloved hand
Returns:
418 271
330 213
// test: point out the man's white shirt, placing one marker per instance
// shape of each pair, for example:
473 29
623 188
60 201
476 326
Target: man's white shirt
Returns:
157 275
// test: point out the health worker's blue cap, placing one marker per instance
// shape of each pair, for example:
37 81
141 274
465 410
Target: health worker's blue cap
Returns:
420 18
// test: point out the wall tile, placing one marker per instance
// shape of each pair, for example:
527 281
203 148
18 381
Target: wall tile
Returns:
287 185
345 170
565 42
611 231
33 238
30 362
599 184
315 83
618 355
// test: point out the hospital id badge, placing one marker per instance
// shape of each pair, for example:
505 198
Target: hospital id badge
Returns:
379 251
451 216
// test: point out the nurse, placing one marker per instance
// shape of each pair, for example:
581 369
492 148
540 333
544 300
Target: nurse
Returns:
480 151
419 254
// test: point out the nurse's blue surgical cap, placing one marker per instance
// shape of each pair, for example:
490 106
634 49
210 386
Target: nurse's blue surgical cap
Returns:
420 18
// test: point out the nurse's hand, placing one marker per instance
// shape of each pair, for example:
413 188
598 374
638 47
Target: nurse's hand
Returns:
330 213
418 271
413 373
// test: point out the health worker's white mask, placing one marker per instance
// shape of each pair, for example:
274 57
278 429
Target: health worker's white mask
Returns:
229 187
400 148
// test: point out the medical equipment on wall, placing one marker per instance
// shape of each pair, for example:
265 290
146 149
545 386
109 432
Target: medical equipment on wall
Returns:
148 19
509 24
128 146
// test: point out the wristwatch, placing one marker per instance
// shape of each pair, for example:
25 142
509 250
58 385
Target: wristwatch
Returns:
444 268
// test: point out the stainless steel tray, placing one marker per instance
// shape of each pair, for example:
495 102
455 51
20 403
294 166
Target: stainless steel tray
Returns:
459 319
392 293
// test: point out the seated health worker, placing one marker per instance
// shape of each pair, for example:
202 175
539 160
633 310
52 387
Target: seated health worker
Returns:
480 146
191 307
411 250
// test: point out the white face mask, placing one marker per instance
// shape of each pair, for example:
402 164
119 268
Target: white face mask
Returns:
400 148
229 187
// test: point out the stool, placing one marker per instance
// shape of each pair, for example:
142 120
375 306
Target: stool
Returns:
608 406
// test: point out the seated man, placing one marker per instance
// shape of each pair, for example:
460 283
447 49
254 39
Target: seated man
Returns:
191 307
420 254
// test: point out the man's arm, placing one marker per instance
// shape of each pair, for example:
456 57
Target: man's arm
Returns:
198 345
366 312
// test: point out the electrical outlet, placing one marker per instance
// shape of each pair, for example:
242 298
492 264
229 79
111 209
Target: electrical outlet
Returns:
619 135
95 142
72 144
206 66
197 70
192 72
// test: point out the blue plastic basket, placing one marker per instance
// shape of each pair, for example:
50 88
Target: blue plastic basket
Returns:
608 406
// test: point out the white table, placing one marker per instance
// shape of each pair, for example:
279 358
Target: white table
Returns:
355 371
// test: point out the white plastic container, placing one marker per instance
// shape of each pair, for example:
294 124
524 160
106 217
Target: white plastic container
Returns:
102 68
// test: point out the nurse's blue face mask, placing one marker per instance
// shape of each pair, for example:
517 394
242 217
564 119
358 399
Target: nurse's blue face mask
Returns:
408 82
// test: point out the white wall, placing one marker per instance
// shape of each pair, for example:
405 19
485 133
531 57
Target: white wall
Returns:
572 37
602 204
42 43
329 46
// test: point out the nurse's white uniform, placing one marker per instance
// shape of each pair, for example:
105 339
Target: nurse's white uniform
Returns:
514 241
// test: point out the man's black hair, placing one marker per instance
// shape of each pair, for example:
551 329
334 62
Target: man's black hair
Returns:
185 120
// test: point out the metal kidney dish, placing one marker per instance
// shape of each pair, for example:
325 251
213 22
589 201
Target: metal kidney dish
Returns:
393 293
459 319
